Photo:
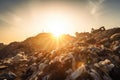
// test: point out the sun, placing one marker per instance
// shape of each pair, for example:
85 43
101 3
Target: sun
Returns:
57 30
54 22
56 34
57 24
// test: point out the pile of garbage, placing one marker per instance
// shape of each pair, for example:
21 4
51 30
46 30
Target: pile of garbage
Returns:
2 46
12 68
89 56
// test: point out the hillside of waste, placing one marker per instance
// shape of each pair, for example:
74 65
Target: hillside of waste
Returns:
91 55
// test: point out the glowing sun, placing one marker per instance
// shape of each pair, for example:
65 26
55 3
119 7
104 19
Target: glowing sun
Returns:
57 23
57 30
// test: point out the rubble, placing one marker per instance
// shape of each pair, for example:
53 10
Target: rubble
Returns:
88 56
2 67
2 45
8 76
98 30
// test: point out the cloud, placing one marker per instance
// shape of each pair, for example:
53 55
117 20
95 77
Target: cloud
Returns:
96 6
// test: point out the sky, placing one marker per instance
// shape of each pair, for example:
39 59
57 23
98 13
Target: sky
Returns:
20 19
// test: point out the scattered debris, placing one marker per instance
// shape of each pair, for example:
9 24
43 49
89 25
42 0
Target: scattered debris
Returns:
88 56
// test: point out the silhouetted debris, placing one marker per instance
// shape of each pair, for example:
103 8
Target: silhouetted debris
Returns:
88 56
8 76
115 73
2 46
98 30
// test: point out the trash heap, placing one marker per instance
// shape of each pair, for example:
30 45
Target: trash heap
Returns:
90 56
12 68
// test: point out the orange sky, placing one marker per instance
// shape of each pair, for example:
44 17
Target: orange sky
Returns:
23 18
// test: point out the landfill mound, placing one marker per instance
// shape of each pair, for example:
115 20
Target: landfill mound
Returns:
2 46
42 41
87 56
